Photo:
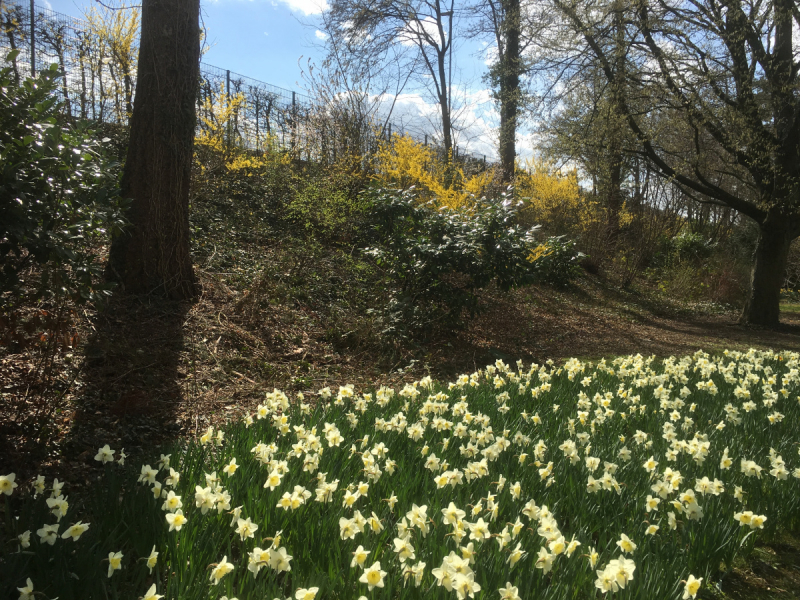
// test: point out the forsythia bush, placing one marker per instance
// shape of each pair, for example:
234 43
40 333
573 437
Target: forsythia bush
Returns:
214 149
403 163
553 199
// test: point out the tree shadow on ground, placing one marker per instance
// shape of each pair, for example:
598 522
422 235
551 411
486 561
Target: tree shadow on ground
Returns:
133 378
542 323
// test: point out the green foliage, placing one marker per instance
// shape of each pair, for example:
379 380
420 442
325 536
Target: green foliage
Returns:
326 205
58 196
439 258
690 246
555 261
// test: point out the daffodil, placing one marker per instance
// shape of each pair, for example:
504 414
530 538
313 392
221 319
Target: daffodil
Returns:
220 569
246 528
114 562
516 555
279 559
150 594
48 534
359 557
172 502
105 455
626 544
176 520
59 506
152 559
373 576
26 593
24 539
306 594
509 592
692 586
75 531
544 560
38 485
231 467
465 585
7 484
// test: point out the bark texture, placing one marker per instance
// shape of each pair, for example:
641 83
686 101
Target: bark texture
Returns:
762 306
153 255
510 68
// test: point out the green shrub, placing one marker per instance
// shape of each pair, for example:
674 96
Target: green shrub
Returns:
439 258
326 204
58 197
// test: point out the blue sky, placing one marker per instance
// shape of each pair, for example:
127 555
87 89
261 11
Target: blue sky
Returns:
262 39
265 40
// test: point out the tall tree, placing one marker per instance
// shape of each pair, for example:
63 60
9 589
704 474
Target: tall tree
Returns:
505 20
371 30
153 255
724 74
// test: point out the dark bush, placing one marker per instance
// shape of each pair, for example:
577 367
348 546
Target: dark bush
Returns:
58 197
437 259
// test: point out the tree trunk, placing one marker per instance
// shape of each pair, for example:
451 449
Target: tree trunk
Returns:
762 306
510 65
153 255
613 191
444 106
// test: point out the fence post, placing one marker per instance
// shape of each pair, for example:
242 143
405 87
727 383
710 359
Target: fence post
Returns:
390 132
33 41
426 140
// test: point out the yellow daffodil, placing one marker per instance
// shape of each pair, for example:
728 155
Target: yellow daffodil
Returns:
114 562
75 531
692 586
220 569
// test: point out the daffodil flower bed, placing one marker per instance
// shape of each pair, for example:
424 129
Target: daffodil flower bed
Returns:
637 478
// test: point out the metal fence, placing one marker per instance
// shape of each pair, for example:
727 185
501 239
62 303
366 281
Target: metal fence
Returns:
98 83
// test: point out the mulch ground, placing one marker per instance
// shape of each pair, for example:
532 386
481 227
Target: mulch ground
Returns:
143 372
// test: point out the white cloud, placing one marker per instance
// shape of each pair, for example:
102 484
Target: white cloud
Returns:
490 55
476 123
476 134
416 30
307 7
321 35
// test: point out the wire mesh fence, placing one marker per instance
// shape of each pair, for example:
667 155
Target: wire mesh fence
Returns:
97 58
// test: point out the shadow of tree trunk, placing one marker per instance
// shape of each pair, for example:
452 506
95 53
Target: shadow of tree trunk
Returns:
133 377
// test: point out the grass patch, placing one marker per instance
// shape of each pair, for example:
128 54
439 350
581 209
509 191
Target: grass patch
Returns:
790 307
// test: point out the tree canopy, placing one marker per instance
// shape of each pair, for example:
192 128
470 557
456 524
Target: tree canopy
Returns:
722 76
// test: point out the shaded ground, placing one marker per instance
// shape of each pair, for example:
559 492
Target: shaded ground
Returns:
148 371
771 572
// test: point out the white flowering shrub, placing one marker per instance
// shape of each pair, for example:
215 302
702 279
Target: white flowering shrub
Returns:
635 477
